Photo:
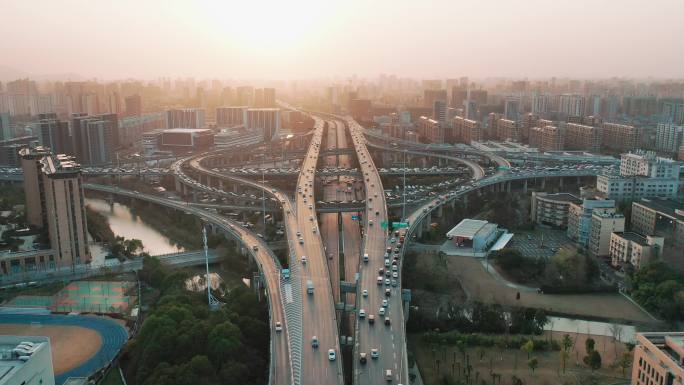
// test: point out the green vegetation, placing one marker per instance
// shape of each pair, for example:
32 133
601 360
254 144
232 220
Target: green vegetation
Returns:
593 358
464 340
182 342
11 196
113 377
566 272
181 228
660 289
98 226
126 248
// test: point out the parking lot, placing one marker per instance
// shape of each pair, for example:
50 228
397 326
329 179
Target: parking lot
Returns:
540 243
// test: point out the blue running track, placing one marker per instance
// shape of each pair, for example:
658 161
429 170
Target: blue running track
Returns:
113 335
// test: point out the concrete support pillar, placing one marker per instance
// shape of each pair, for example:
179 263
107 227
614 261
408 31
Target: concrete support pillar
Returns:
419 231
560 183
543 183
428 220
525 186
508 186
438 212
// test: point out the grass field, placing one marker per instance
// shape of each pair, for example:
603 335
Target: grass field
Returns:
508 363
71 345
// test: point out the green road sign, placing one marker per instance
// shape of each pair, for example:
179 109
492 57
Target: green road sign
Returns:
400 225
384 224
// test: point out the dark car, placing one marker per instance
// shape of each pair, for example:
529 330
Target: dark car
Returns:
388 292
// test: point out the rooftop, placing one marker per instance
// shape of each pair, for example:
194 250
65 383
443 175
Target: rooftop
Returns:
467 228
560 197
634 237
16 351
185 130
667 207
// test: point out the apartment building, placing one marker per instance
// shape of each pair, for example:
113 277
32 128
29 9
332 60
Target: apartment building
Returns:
603 224
507 129
463 131
633 249
619 137
661 218
642 175
582 137
658 359
552 209
430 130
580 218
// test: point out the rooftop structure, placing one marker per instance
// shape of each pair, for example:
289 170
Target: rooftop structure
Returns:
658 358
478 234
25 360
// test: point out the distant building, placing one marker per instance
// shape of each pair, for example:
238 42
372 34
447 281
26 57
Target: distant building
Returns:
540 104
237 137
642 175
551 209
360 110
640 105
266 120
658 359
572 105
662 218
430 96
633 249
185 118
439 111
94 138
54 134
512 108
26 360
5 131
619 137
548 138
180 140
603 224
133 105
478 235
507 130
584 138
673 111
463 131
669 137
131 128
9 149
230 116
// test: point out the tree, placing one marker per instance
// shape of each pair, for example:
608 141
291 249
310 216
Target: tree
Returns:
589 345
593 360
528 347
625 362
533 364
566 344
515 380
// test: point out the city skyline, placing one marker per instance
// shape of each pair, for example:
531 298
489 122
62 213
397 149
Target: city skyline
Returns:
309 39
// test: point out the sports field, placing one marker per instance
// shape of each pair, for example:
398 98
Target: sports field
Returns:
83 297
81 345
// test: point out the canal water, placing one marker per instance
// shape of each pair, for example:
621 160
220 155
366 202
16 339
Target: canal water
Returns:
569 325
125 224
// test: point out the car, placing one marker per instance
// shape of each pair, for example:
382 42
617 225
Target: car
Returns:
381 311
362 314
364 293
303 259
387 273
388 292
331 355
278 327
365 257
395 275
381 271
379 280
387 281
314 342
387 321
394 266
375 354
394 282
301 240
384 303
371 319
387 262
362 358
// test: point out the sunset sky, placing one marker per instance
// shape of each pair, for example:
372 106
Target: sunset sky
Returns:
307 39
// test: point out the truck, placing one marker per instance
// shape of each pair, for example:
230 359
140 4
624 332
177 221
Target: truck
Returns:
309 286
286 273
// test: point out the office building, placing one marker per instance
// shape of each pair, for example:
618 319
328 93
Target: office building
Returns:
180 140
603 224
662 218
439 111
551 209
230 116
620 137
430 130
571 105
133 105
583 138
26 360
55 200
512 108
507 130
633 249
669 137
580 218
658 359
185 118
9 149
267 120
151 141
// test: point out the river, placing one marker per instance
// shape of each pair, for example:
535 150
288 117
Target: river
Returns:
125 224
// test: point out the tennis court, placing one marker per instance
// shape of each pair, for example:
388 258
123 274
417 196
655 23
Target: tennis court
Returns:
83 297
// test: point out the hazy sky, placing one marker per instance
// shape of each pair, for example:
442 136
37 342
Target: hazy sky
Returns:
305 39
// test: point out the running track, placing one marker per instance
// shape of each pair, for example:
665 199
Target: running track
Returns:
113 335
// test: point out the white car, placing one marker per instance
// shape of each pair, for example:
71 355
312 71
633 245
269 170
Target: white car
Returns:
375 354
381 311
384 303
362 313
331 355
278 327
364 293
303 259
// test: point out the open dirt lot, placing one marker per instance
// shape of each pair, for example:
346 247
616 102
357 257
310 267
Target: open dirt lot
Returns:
481 286
71 345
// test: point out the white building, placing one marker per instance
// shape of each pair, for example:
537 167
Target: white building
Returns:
634 249
642 175
669 137
572 105
26 361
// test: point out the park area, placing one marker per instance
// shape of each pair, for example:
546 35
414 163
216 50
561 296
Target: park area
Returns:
102 297
445 364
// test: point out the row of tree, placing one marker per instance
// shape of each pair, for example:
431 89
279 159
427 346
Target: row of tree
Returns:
182 342
660 289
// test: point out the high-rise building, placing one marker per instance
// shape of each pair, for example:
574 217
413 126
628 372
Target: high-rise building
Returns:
669 137
646 163
430 96
657 359
265 119
507 129
55 200
269 97
540 104
430 130
93 139
640 105
439 111
581 137
673 111
551 139
54 134
185 118
642 175
462 131
133 105
459 95
230 116
470 109
512 108
571 105
5 131
619 137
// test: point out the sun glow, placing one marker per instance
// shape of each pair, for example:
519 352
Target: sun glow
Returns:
263 25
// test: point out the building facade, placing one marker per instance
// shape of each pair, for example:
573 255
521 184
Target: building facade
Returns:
658 359
603 225
265 119
633 249
552 209
185 118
